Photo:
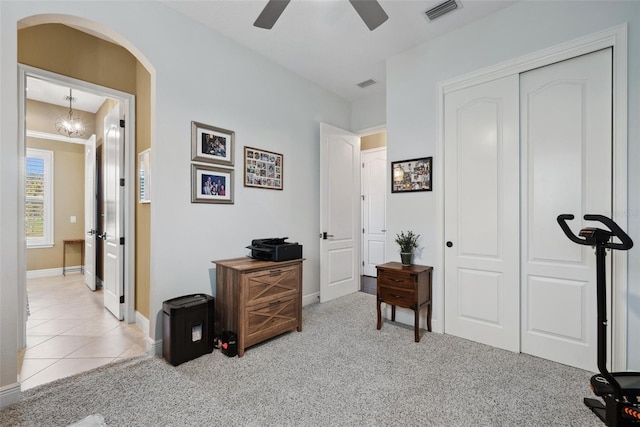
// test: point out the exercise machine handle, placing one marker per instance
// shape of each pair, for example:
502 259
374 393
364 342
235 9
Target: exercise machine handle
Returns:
562 221
625 241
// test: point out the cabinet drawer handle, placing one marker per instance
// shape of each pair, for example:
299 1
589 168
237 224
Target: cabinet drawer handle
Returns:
275 272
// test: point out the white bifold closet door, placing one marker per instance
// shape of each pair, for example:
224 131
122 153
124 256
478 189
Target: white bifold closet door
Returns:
481 213
519 151
565 111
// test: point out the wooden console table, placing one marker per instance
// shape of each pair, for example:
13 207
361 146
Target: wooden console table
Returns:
64 254
405 286
258 299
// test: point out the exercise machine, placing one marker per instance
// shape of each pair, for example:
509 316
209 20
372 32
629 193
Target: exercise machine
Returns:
619 391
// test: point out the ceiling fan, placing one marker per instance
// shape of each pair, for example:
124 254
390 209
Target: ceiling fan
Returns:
369 10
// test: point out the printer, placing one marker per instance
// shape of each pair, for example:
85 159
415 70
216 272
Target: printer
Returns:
275 249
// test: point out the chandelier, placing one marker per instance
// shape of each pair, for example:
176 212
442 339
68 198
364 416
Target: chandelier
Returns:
70 125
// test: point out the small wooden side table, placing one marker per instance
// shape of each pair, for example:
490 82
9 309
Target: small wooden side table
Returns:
405 286
64 254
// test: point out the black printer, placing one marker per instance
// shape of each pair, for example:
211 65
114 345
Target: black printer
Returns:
275 249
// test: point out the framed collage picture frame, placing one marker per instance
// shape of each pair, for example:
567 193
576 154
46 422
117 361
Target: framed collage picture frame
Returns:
211 184
411 175
212 144
263 169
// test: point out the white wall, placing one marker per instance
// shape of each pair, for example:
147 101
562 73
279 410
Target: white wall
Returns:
198 76
368 112
523 28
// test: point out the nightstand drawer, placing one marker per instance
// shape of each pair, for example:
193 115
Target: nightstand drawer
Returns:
396 280
397 296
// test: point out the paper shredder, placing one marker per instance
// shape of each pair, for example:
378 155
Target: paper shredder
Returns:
187 327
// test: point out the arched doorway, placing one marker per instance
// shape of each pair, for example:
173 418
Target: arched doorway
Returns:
91 71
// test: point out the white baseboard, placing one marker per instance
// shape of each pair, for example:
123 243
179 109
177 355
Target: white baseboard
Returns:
154 347
310 299
48 272
9 395
142 323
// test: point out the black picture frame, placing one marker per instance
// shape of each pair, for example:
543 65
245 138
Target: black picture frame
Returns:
412 175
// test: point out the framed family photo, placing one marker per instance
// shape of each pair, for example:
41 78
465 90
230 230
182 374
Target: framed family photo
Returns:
211 144
211 185
411 175
263 169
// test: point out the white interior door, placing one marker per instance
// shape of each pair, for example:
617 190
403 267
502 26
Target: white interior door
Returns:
90 197
113 160
374 209
566 111
482 213
339 212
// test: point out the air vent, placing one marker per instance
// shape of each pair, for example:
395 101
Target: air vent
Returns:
367 83
441 9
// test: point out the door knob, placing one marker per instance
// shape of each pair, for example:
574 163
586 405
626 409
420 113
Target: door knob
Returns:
449 244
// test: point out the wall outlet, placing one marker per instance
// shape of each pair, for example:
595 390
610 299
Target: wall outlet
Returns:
73 220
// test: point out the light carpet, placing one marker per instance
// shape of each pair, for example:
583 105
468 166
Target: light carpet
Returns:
338 371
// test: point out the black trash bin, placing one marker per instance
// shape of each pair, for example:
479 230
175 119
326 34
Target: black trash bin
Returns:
187 327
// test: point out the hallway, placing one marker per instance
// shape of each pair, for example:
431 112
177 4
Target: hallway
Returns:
69 331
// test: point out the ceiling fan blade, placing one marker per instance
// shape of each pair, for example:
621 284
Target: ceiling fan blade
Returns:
370 11
271 13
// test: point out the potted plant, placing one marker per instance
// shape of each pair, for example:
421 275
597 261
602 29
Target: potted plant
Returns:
408 242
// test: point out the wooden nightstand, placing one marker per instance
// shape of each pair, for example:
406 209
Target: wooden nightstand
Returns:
408 287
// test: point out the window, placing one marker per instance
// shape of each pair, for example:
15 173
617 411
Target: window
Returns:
39 198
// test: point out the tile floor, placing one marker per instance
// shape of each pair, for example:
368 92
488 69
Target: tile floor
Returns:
69 331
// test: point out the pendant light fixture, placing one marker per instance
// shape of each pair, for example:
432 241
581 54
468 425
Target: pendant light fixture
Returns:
70 125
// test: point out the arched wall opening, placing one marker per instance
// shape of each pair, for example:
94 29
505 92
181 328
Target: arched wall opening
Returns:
97 55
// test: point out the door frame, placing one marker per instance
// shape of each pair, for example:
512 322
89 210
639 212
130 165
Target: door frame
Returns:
363 243
128 102
366 132
326 128
615 37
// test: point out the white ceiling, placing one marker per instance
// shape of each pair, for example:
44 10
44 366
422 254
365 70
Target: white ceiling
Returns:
44 91
326 42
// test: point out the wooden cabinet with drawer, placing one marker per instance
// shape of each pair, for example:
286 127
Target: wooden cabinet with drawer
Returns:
258 299
404 286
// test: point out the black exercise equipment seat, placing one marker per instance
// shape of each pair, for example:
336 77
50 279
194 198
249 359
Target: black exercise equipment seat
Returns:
629 384
619 390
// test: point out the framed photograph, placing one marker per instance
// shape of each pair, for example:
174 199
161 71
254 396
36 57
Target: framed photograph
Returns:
411 175
211 144
211 185
144 176
263 169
